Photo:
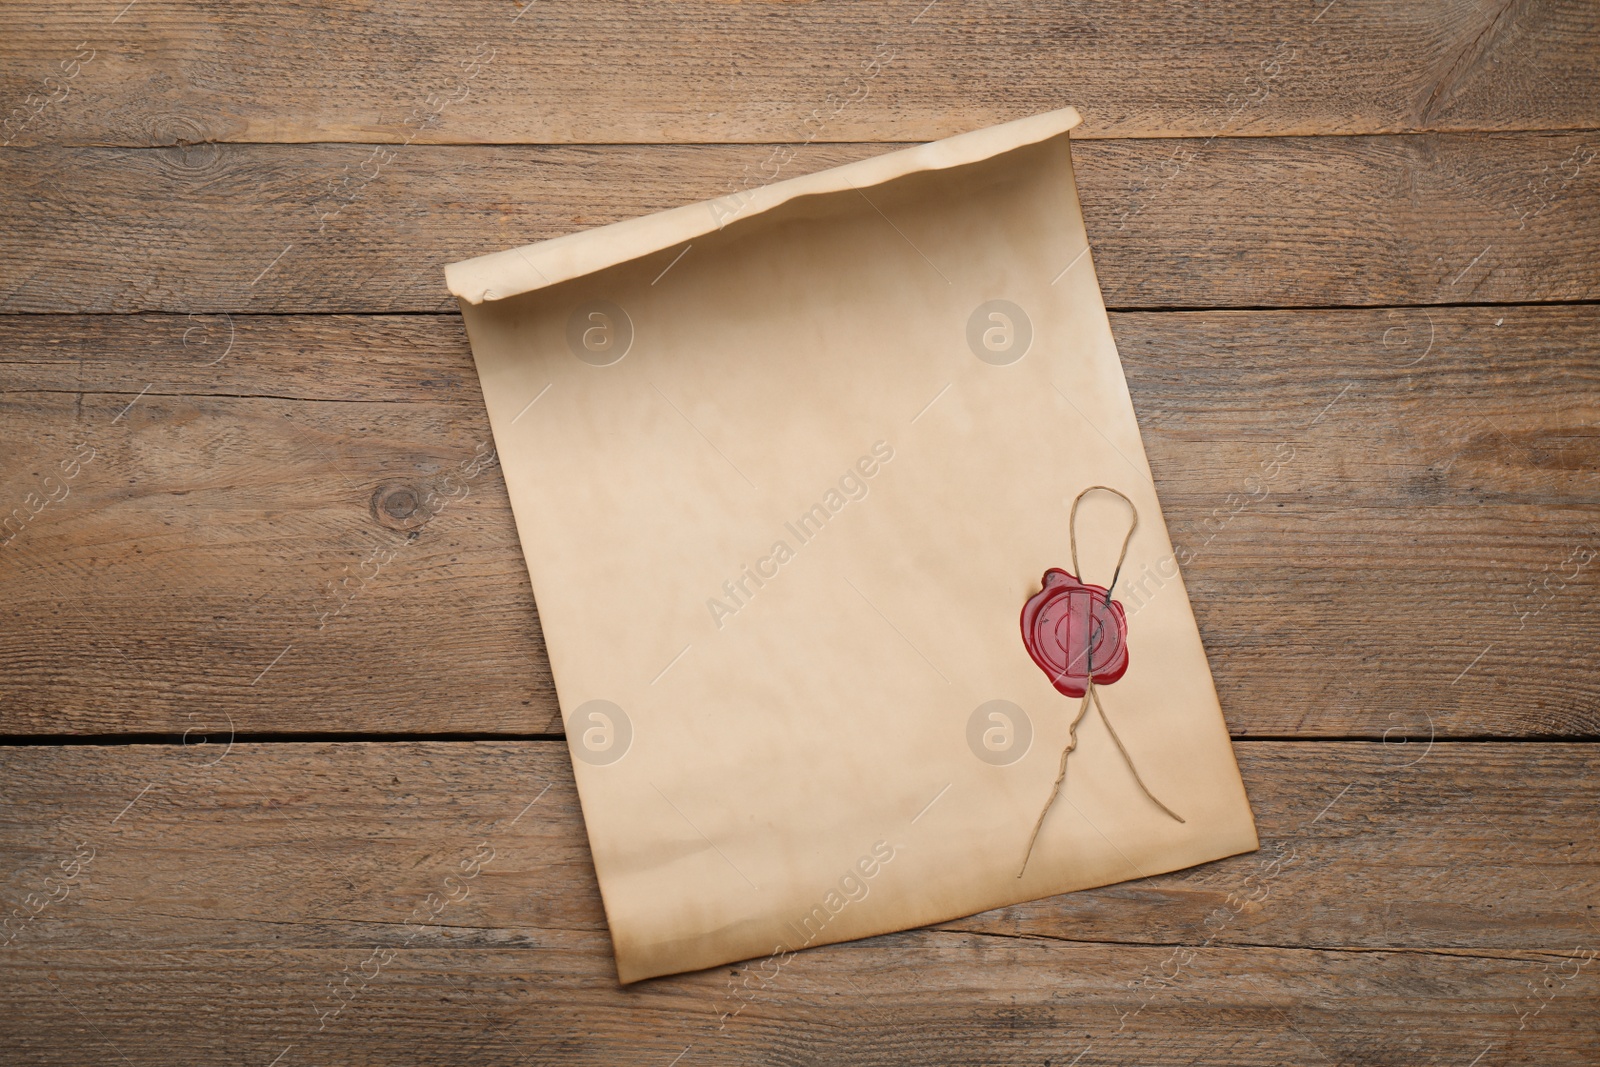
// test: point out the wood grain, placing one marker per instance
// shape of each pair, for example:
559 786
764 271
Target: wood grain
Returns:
1406 904
563 71
1240 222
919 998
1387 520
245 490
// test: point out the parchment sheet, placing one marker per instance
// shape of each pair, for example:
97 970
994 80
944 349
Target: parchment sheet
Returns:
785 467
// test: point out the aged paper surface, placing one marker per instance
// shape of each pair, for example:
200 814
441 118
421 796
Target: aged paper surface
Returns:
786 467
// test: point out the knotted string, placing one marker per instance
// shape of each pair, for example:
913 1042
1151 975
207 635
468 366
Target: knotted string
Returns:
1089 693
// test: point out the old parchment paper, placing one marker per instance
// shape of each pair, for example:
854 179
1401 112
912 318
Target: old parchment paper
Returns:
785 467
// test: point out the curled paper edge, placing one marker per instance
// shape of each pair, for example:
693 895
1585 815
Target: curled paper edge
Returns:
522 270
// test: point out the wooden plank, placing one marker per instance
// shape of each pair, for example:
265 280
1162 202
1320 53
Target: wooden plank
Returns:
1446 898
1241 222
921 998
1386 521
167 71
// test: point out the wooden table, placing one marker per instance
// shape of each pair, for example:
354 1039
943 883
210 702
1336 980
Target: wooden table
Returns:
262 709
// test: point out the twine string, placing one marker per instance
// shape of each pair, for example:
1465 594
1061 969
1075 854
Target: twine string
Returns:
1061 776
1127 758
1090 694
1072 534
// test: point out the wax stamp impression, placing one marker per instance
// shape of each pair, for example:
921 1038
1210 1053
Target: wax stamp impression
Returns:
1069 625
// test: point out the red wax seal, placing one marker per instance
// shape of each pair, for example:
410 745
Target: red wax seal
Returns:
1070 627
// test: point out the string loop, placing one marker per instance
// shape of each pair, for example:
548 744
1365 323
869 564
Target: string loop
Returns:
1072 534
